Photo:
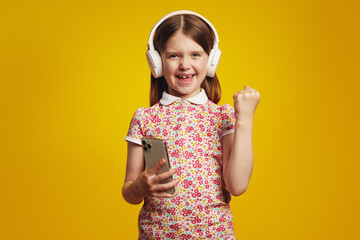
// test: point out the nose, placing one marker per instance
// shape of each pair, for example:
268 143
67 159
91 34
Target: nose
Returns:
184 63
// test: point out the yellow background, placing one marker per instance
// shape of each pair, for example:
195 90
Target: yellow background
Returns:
73 73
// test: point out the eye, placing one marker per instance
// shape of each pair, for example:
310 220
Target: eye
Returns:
173 56
196 55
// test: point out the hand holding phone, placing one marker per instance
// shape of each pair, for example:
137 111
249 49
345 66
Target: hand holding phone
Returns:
154 151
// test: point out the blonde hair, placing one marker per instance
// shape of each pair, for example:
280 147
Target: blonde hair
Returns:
201 33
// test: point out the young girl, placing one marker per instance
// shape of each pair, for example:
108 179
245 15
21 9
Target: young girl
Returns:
209 146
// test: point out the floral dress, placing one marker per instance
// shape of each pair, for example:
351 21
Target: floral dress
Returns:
192 130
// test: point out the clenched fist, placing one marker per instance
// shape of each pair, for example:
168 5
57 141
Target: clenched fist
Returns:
245 103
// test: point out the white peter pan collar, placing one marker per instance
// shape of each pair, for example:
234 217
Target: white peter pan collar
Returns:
199 99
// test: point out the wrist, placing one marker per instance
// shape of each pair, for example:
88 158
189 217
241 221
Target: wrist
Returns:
244 121
135 190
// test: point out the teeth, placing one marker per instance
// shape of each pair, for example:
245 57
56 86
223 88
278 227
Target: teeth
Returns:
186 76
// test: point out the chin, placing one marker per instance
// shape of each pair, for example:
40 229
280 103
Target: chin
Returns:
186 92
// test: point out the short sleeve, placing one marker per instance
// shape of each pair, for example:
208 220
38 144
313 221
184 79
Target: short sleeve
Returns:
135 132
228 120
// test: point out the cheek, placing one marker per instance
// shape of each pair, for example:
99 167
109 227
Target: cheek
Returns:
168 66
202 66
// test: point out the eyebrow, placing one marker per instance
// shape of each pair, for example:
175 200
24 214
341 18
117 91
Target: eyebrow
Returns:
172 52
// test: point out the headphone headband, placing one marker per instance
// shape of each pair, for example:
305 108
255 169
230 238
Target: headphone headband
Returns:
153 30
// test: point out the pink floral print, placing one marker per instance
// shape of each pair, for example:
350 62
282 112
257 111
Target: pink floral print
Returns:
192 133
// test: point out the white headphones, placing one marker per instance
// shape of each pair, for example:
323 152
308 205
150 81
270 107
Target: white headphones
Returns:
154 59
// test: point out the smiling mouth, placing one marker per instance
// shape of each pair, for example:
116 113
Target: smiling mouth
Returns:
185 78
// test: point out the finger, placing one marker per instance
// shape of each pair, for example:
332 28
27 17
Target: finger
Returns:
246 89
165 194
162 187
156 167
165 175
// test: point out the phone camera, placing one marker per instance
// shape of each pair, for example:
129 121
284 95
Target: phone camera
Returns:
146 146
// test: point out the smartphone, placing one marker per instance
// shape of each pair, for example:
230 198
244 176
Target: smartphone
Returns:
155 150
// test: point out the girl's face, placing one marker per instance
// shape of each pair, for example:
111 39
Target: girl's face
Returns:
184 65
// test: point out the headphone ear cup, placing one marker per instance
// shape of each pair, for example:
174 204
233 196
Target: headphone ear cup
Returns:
154 60
213 62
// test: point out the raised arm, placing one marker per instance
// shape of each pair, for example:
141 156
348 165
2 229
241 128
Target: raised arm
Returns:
237 147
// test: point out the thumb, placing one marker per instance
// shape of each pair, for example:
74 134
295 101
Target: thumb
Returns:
246 87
